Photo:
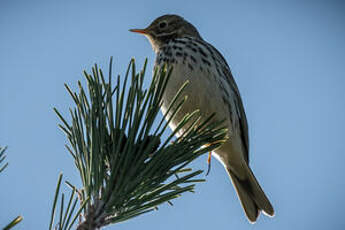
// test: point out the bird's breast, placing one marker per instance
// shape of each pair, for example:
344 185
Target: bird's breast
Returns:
203 91
208 91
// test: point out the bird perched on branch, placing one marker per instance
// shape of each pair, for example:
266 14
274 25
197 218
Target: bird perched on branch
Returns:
211 89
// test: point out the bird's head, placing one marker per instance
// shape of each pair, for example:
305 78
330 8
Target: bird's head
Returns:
167 27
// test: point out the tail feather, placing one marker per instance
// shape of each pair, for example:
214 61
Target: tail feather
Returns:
248 204
251 195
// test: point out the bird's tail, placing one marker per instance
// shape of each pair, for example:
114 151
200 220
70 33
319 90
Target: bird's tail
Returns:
251 195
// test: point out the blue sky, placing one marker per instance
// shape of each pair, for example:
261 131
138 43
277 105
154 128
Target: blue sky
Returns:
288 58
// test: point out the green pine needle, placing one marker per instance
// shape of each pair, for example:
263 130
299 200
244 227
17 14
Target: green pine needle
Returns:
13 223
126 166
18 219
2 158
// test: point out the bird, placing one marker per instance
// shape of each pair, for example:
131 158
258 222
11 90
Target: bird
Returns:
211 90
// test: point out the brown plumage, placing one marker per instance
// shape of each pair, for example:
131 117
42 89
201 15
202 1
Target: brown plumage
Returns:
212 89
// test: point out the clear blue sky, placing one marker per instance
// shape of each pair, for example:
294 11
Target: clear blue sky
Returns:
288 58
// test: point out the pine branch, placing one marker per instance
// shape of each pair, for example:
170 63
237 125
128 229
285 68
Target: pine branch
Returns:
125 166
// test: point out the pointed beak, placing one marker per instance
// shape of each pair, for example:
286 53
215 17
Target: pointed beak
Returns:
140 31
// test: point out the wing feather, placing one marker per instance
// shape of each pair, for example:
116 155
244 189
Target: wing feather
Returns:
242 119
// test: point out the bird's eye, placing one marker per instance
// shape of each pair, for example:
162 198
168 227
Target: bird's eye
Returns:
162 25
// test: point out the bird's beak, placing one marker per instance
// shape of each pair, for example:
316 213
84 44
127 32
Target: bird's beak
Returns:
140 31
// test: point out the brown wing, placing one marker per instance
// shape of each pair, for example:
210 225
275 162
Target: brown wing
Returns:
241 114
238 101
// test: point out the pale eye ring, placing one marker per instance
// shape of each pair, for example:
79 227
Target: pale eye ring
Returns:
163 24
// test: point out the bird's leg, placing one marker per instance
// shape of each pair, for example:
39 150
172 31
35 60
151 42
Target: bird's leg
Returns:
209 163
